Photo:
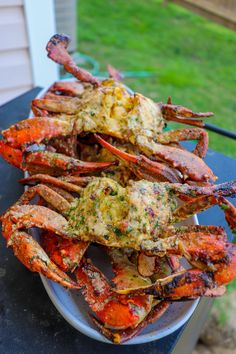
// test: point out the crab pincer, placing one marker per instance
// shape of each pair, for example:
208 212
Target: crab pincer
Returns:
177 159
143 165
27 250
182 114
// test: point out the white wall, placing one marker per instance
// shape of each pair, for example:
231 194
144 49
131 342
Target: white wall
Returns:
40 22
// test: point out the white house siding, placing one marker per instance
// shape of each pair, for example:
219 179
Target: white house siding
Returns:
15 66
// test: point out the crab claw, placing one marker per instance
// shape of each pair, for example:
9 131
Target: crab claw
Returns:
203 246
190 165
182 114
44 161
57 51
26 249
126 275
11 155
30 253
67 254
151 168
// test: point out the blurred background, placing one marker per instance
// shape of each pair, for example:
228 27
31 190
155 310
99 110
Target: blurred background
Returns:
183 49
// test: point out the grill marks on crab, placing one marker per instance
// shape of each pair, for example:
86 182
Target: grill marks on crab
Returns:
187 285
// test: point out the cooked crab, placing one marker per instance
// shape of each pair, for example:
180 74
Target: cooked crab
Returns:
140 216
109 108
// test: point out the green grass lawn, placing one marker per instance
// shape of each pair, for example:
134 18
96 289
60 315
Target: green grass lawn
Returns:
193 59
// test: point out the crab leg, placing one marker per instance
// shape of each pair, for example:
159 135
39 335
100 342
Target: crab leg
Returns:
230 213
27 216
57 51
225 189
192 283
153 168
50 196
207 197
187 134
22 215
189 164
202 203
39 112
80 181
55 181
182 114
62 192
114 73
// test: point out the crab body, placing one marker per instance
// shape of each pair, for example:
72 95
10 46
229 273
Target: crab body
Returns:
112 215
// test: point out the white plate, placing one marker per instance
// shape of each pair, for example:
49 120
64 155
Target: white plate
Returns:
74 309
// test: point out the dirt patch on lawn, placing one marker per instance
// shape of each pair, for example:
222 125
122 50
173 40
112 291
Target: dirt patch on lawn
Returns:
219 333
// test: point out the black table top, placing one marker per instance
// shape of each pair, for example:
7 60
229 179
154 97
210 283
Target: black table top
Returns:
29 323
